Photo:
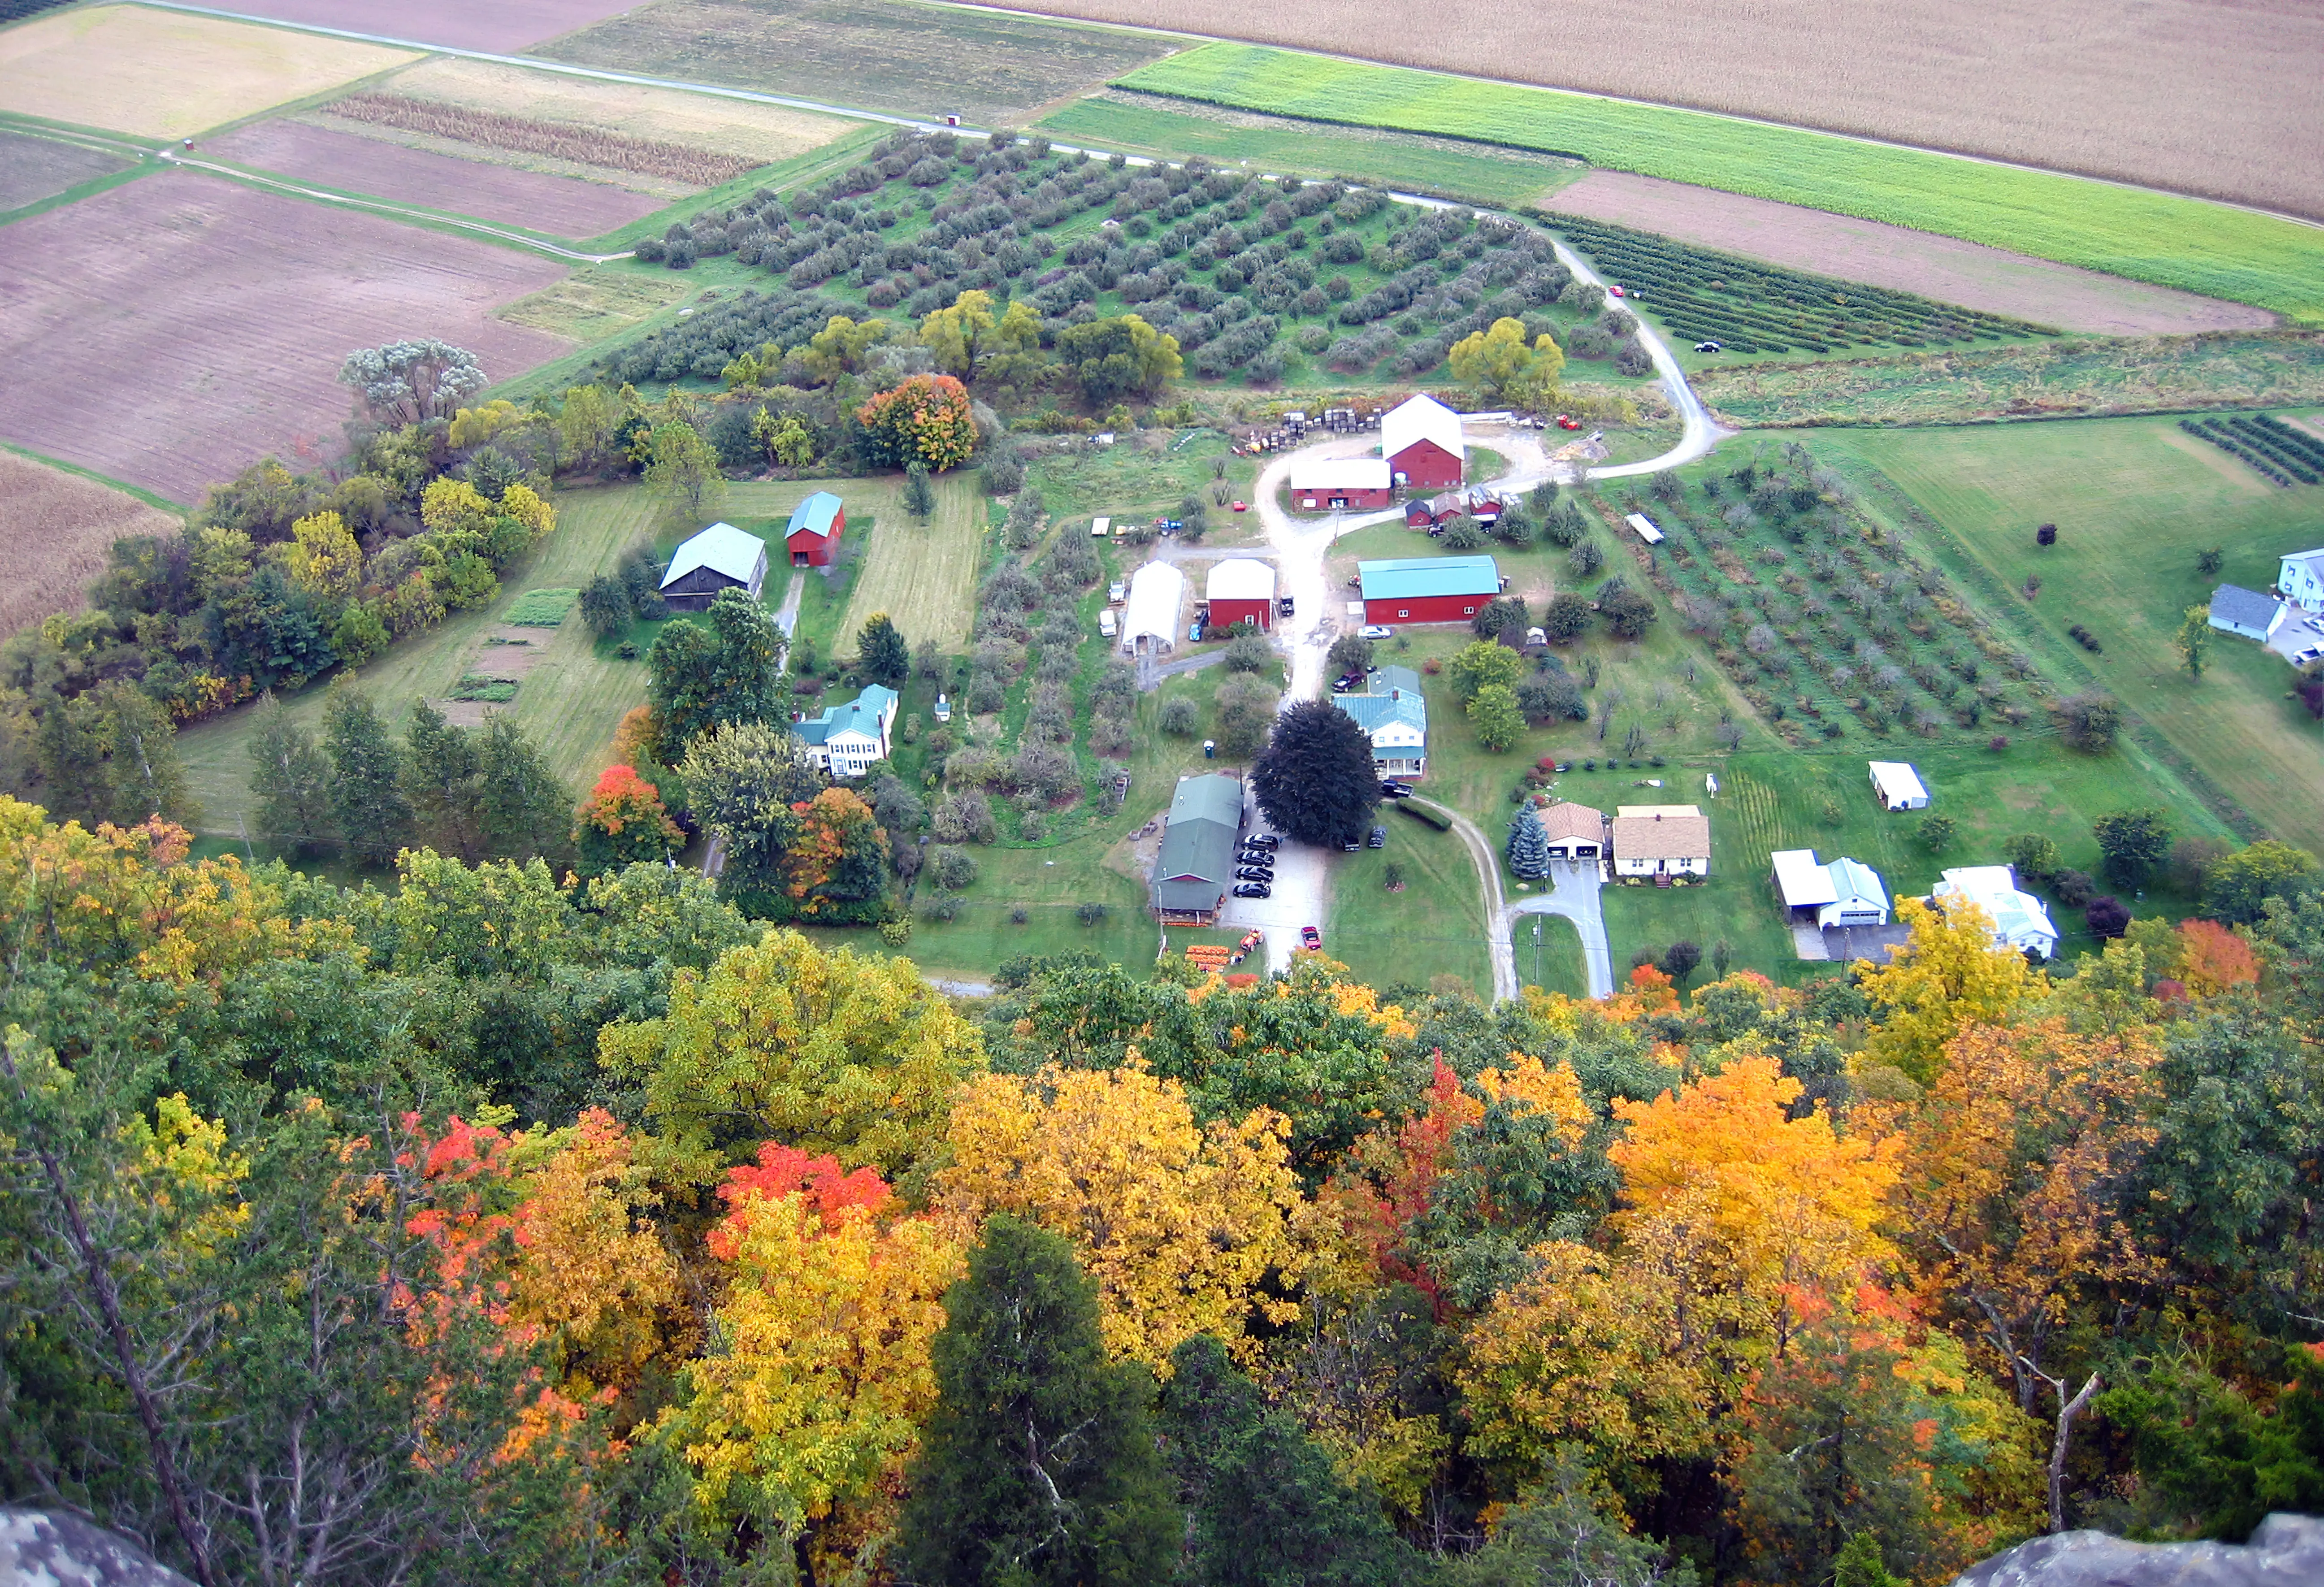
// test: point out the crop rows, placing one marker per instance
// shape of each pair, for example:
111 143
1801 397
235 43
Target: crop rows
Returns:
2201 247
1818 622
2277 451
490 129
1756 308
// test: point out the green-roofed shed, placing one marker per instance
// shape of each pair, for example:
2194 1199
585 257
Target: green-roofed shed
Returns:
1196 865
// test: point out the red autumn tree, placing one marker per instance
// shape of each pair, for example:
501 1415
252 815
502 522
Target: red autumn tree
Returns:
622 821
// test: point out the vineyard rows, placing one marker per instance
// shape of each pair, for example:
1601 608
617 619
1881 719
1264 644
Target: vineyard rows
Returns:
2277 449
1704 295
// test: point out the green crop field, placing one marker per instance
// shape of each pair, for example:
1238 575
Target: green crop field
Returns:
2135 500
1482 175
570 701
2185 242
923 573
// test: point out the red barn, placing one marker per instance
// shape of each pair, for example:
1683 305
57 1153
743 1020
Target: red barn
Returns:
815 526
1427 589
1421 439
1242 590
1332 484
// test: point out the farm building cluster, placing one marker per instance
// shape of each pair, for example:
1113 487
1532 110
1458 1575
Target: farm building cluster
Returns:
2289 620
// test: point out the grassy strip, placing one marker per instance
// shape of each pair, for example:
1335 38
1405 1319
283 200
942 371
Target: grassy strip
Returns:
106 480
2186 243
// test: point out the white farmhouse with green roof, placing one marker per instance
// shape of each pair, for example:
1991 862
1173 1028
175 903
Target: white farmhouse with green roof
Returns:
844 739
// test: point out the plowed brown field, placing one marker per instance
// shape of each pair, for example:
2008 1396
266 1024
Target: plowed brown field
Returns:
169 331
502 26
557 205
2216 97
1943 268
55 529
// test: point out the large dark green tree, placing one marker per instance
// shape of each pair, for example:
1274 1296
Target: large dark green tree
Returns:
368 801
1038 1464
1314 779
718 668
2134 843
525 811
291 779
1265 1507
442 772
882 652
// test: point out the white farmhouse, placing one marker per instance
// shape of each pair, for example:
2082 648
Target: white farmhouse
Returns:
844 739
1661 840
2300 580
1394 715
2018 918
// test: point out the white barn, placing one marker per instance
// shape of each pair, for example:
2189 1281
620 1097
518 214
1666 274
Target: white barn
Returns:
1898 785
1149 622
2018 918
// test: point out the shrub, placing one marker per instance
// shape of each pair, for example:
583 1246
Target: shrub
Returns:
1179 716
2107 916
939 906
1018 916
2074 888
1936 833
1090 914
2047 535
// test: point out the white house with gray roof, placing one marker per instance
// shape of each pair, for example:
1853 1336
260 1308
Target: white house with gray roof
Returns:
2300 580
1394 715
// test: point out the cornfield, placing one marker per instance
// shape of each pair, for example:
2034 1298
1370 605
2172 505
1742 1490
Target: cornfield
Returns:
57 527
582 145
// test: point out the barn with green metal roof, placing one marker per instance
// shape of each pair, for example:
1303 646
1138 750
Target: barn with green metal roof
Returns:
1427 589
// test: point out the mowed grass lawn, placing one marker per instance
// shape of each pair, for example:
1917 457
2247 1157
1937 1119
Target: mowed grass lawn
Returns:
921 572
1435 927
2186 243
569 701
2134 501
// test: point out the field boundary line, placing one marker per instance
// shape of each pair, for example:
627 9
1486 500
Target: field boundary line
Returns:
379 207
159 503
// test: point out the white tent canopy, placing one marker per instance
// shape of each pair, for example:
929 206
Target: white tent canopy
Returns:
1158 594
1898 785
1240 579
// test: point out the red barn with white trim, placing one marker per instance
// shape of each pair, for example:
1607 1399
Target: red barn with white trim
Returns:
1421 439
1241 589
1334 484
1427 589
812 536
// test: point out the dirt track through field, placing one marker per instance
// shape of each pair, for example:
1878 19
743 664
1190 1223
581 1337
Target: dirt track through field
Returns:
1944 268
557 205
170 331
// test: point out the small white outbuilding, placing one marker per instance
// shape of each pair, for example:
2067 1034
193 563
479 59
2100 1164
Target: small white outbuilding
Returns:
1898 785
1149 622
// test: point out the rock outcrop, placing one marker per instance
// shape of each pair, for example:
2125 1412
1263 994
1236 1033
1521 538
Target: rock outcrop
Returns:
44 1549
2287 1551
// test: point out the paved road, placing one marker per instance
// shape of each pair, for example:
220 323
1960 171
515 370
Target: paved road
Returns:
1574 896
1298 896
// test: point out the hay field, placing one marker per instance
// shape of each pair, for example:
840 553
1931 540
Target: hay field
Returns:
1894 256
2208 249
2221 98
170 330
55 528
761 133
2134 503
596 301
164 75
922 575
883 54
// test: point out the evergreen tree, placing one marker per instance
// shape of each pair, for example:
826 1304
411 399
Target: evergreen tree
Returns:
290 778
1266 1508
368 802
442 774
1314 779
881 652
1037 1466
523 809
141 767
1528 844
919 495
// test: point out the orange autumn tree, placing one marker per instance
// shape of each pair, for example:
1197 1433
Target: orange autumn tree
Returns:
2213 959
623 822
804 1422
835 870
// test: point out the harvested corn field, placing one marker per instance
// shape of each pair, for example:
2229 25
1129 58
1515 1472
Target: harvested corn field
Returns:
161 74
758 134
55 528
698 168
595 302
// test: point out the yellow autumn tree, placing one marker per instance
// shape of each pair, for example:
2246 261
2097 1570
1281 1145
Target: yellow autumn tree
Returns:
1742 1200
823 1050
523 504
1951 975
323 556
592 1277
1178 1224
805 1419
450 504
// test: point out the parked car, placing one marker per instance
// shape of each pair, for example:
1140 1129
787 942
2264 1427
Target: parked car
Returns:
1710 347
1253 873
1378 839
1311 938
1254 889
1391 789
1194 631
1242 506
1352 844
1346 681
1375 630
1261 840
1117 592
1282 606
1615 291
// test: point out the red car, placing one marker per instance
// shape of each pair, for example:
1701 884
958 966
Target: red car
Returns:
1310 939
1615 290
1242 506
1567 422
